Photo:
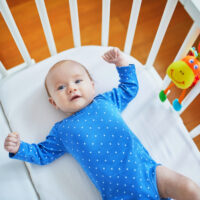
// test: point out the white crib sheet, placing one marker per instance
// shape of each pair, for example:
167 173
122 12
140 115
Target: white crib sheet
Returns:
14 179
160 129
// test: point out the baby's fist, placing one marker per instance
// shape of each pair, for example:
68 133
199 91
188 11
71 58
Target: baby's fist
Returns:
116 57
12 142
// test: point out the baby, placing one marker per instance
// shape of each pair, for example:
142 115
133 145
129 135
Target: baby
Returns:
99 139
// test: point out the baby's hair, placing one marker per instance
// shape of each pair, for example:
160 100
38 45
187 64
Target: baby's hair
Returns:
59 63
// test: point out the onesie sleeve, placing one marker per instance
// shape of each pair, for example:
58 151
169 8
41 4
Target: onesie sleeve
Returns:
127 88
42 153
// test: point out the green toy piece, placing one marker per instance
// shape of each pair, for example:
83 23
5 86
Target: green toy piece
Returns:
162 96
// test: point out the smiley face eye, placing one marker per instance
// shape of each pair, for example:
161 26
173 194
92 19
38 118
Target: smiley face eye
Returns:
191 61
196 66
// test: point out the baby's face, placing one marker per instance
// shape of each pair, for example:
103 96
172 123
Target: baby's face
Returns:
70 87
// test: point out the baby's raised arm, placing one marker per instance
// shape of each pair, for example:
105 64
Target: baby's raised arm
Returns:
128 83
116 57
12 142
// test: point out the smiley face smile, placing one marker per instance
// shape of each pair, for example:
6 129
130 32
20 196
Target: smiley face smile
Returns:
179 82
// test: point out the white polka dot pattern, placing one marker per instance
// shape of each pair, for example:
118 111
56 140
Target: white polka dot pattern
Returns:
99 139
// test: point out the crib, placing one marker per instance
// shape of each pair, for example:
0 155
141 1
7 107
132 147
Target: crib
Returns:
25 108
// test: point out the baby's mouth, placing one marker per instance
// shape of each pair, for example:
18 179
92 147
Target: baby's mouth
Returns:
75 97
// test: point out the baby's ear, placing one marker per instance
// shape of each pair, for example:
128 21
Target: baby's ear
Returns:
51 101
93 83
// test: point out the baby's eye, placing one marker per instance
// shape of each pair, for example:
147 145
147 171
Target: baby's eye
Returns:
61 87
78 81
191 61
196 66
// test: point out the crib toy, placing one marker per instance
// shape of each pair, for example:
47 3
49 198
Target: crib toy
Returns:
25 108
184 73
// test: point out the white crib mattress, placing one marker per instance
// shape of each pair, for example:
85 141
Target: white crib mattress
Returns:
15 182
159 128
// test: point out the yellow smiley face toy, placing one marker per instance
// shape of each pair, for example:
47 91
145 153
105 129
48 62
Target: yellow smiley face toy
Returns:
184 73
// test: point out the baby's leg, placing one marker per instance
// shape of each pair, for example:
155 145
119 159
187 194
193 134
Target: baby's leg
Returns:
176 186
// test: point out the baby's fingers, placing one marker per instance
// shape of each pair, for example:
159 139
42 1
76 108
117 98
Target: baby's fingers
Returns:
13 134
106 58
11 149
10 144
112 53
115 52
109 55
12 139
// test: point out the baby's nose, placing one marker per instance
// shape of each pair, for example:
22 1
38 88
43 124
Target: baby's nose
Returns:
71 90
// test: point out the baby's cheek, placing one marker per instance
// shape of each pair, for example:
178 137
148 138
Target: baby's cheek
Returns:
61 102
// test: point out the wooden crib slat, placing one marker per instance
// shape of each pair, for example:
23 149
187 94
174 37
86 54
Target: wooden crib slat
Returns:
190 97
169 10
105 22
193 9
75 22
46 26
132 25
3 70
14 31
187 44
195 132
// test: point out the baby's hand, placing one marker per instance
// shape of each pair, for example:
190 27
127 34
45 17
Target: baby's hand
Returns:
116 57
12 142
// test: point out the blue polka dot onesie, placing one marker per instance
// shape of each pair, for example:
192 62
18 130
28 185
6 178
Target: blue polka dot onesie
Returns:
99 139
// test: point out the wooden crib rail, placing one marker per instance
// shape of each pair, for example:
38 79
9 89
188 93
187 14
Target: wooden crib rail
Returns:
46 26
5 11
75 22
3 70
193 9
132 25
195 132
105 22
190 97
169 10
191 6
